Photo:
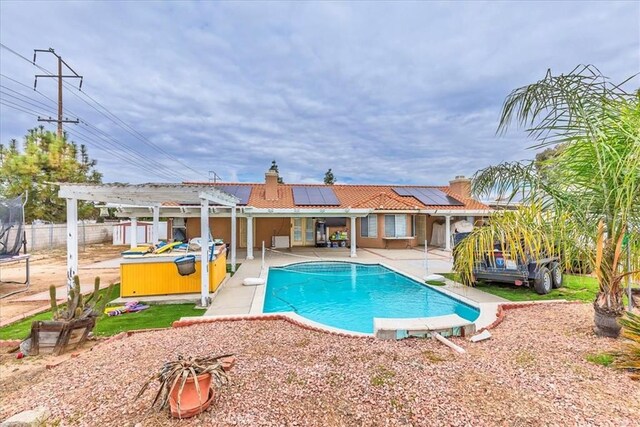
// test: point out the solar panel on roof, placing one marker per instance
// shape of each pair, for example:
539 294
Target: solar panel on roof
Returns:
402 191
428 196
328 195
242 192
314 196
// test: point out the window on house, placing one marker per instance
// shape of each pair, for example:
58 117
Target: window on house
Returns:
413 225
369 226
395 226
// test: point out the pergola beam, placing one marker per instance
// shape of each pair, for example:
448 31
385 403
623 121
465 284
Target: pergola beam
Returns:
225 211
146 194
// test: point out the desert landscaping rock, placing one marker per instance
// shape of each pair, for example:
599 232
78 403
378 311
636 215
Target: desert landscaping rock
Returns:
532 372
29 418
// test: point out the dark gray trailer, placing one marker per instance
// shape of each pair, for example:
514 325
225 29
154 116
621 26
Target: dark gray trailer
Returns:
542 274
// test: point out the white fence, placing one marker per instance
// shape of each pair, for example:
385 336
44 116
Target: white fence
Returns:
122 232
48 236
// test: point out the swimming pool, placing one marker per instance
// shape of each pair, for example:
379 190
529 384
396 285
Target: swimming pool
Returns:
349 295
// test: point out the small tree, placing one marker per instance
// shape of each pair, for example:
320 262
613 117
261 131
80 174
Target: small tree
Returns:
45 159
329 179
581 200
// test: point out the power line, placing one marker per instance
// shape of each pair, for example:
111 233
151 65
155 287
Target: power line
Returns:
108 114
28 100
140 136
28 87
159 167
169 176
13 104
140 166
18 107
95 131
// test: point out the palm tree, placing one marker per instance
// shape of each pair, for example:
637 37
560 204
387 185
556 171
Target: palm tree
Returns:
581 202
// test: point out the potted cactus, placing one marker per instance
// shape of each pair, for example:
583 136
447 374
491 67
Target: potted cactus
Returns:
72 322
189 384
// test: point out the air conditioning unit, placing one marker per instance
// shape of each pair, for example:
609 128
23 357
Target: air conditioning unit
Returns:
278 242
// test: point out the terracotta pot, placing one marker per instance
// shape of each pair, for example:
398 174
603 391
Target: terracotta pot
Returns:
190 403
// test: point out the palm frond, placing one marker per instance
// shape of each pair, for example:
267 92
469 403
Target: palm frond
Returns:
561 107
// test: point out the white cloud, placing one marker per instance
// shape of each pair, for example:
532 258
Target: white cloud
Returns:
380 92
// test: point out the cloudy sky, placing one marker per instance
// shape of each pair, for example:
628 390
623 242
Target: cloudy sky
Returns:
380 92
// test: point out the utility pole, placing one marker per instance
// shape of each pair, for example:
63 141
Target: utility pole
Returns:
214 177
60 120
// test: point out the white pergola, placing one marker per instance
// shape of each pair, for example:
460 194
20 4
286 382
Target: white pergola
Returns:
151 196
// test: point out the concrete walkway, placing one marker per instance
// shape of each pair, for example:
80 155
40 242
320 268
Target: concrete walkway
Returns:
233 297
236 299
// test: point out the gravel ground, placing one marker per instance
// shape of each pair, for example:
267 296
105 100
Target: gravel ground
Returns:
533 372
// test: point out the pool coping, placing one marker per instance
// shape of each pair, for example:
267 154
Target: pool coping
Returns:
486 317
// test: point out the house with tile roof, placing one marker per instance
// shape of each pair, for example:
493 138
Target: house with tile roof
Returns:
294 215
278 215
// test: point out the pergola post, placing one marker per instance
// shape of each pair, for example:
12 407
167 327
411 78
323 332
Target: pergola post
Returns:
233 239
353 237
204 252
447 232
133 232
72 240
155 230
249 237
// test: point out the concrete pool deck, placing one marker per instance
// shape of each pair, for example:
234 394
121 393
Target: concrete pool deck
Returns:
236 299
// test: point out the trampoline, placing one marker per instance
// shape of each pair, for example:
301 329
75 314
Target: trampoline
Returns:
12 238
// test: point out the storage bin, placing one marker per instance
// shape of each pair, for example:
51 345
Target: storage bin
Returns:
186 265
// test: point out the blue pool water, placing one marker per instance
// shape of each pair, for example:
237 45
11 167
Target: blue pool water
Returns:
348 296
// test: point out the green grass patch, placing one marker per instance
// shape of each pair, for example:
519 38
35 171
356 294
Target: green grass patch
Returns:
21 328
434 283
525 358
604 359
156 316
229 269
575 288
382 376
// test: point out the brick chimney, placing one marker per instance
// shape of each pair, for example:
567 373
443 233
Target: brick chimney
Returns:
461 186
271 185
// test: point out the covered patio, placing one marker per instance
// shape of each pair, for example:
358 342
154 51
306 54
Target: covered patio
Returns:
149 197
204 203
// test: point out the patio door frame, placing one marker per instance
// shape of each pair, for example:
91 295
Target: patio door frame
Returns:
307 231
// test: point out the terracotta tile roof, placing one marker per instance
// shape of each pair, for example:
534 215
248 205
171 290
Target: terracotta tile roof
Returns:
387 201
381 197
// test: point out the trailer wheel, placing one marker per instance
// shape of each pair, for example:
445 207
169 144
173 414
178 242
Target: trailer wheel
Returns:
543 283
556 274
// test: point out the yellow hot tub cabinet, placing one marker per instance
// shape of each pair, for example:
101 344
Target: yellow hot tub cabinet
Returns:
144 275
